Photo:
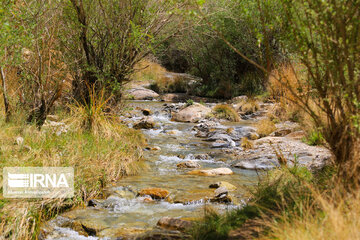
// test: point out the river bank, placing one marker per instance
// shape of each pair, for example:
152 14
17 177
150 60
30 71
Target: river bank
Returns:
188 152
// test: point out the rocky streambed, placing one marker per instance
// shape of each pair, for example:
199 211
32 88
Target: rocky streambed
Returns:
192 162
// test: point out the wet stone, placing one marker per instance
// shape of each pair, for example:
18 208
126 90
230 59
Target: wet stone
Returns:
221 191
188 164
174 224
146 112
145 123
212 172
224 184
155 193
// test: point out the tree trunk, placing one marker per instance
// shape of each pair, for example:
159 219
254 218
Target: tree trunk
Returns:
6 100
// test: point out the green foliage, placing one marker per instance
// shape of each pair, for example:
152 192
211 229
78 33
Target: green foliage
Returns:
108 39
201 52
314 138
13 34
189 102
324 37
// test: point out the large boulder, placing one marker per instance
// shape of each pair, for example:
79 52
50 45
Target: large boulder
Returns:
212 172
263 156
141 93
222 196
192 113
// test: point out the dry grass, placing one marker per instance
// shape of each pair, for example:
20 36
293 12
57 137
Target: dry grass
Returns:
337 217
248 107
148 71
160 80
104 154
170 83
265 127
246 143
283 79
227 112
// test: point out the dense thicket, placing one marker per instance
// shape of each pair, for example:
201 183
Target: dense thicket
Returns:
104 41
87 44
201 51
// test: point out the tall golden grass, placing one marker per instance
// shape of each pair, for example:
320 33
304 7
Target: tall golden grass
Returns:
265 127
331 218
100 156
148 70
282 87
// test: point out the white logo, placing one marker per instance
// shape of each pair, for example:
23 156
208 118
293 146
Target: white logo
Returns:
37 182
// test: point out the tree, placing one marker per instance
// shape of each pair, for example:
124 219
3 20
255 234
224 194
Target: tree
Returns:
11 38
325 35
109 38
208 56
43 71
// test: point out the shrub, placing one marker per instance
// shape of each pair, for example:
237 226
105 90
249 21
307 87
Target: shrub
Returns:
227 112
189 102
265 127
249 107
329 93
168 83
333 214
225 74
314 138
149 71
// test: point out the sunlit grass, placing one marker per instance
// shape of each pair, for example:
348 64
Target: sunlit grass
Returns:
99 155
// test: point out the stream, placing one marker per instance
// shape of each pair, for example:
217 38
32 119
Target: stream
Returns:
123 212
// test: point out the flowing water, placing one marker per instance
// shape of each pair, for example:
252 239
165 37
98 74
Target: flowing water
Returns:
178 144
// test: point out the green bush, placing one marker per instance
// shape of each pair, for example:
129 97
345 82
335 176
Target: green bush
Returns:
189 102
202 53
314 138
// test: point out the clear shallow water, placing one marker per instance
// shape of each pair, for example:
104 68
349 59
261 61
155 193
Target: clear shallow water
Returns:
178 144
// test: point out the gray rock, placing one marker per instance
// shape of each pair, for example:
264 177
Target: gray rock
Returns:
19 141
220 144
221 191
238 99
145 123
202 156
56 127
263 156
192 113
141 93
174 224
188 164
